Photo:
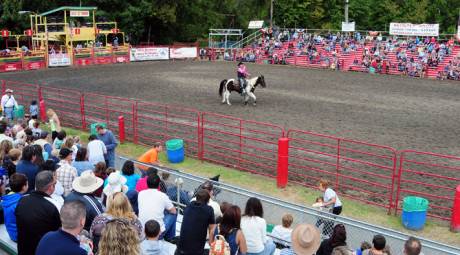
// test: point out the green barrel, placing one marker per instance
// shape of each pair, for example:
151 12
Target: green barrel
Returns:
19 112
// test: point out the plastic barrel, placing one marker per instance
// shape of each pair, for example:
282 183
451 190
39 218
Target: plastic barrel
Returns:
414 212
93 130
19 112
175 150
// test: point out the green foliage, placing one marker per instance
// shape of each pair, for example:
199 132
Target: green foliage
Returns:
166 21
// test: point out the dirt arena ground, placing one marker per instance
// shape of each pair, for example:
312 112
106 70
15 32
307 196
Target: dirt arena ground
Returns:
400 112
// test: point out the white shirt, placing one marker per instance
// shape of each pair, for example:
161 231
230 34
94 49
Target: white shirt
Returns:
330 194
31 123
96 151
255 232
282 233
152 204
5 137
8 101
215 207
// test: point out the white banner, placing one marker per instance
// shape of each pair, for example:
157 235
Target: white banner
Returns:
458 32
149 53
348 27
59 59
185 52
256 24
79 13
410 29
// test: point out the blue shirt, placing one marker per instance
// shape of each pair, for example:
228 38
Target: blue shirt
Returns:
82 166
109 140
131 181
59 242
30 170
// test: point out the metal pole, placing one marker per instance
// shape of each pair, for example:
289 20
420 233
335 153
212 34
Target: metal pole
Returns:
271 13
346 11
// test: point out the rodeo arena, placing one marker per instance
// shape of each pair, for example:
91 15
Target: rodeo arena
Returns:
362 126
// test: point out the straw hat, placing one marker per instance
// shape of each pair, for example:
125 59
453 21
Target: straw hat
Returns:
116 183
9 91
305 239
87 182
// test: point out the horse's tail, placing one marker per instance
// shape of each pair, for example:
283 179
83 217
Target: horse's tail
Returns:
221 88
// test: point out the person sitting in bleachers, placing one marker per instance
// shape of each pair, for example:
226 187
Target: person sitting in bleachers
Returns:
283 232
18 186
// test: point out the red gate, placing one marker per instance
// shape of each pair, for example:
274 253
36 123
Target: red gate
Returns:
429 175
158 123
247 145
67 103
359 170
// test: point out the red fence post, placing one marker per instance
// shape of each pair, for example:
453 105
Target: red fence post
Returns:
40 96
135 118
455 221
42 110
121 128
82 112
283 161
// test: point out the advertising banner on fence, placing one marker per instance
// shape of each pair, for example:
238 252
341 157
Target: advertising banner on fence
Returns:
149 53
348 27
184 52
60 59
410 29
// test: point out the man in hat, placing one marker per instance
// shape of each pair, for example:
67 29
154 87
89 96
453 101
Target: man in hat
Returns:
83 188
242 75
8 104
305 241
66 173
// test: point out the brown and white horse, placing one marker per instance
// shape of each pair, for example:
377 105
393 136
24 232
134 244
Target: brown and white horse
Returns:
227 86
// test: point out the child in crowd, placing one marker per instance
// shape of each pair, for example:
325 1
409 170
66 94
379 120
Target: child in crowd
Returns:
59 141
18 185
36 130
283 231
77 141
364 246
33 109
151 245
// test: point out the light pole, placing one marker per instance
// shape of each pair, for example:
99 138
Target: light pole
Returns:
346 11
271 13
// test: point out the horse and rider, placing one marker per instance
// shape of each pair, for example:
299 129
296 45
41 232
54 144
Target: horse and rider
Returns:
245 85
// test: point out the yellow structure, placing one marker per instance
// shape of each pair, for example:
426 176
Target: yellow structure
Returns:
66 27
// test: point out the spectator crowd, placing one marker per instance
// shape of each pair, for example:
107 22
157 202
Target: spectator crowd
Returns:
61 196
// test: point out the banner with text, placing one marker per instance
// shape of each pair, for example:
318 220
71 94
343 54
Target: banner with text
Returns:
149 53
60 59
409 29
184 52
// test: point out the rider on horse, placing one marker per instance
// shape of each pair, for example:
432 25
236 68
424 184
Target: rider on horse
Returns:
242 75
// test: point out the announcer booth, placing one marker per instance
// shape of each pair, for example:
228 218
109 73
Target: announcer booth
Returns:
76 36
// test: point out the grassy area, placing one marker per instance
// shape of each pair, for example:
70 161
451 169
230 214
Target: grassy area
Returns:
434 230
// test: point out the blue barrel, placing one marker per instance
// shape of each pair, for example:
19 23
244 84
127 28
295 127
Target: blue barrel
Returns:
175 150
414 212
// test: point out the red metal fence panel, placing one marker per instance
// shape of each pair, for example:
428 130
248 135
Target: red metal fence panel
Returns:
66 103
359 170
24 93
247 145
431 176
107 109
158 123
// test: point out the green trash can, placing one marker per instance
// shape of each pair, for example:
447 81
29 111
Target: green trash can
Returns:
19 112
414 212
270 228
175 150
93 127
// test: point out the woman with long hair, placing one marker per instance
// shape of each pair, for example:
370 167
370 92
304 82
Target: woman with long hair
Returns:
100 171
131 177
254 228
338 239
229 228
118 208
119 238
5 147
55 124
81 162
